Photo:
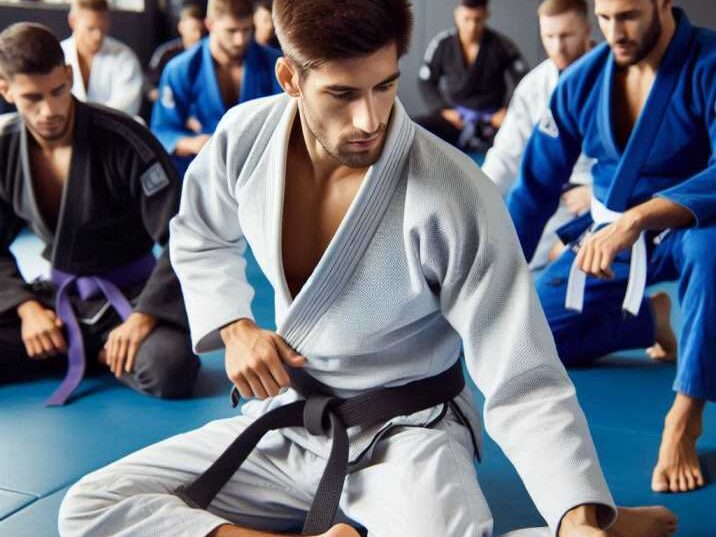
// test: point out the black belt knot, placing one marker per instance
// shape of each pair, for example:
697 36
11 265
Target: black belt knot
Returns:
321 413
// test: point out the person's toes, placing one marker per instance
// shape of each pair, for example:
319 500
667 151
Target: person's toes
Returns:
674 482
690 481
683 481
659 481
699 477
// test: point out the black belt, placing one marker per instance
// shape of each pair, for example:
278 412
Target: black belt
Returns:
320 412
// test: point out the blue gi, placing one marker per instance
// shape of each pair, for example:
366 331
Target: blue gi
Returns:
670 154
189 88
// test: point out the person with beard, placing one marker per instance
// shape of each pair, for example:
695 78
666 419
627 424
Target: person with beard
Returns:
478 68
642 105
98 189
565 32
389 251
105 70
201 84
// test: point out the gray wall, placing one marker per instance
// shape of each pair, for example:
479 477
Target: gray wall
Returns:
516 19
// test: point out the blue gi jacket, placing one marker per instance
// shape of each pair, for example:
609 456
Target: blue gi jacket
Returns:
670 152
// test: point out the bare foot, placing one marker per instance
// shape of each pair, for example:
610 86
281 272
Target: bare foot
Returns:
678 468
644 522
664 350
341 530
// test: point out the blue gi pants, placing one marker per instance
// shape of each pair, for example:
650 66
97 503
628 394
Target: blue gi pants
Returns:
687 255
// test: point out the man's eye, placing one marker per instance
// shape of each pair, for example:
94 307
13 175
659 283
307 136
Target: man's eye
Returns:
343 95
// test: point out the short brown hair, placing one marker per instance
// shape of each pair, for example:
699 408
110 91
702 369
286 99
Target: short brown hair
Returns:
91 5
312 32
551 8
238 9
29 48
191 11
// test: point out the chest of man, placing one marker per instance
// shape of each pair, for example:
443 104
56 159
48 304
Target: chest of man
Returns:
50 171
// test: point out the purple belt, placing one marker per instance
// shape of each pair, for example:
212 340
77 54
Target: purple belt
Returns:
87 287
469 115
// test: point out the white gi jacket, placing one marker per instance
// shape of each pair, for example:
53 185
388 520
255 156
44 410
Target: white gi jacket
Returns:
425 263
116 77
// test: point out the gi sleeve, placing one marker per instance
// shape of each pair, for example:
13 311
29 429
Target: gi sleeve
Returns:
430 74
172 108
547 164
13 289
127 84
698 193
531 409
155 185
502 162
208 246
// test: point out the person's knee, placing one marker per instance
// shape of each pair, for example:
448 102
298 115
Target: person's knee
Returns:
80 505
168 366
698 248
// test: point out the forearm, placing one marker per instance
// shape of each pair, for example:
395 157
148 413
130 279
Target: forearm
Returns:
659 214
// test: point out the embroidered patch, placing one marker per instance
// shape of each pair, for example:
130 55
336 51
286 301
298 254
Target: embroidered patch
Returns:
548 125
154 179
520 66
424 73
167 97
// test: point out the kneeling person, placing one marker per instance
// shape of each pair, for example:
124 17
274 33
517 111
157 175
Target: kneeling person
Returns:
99 190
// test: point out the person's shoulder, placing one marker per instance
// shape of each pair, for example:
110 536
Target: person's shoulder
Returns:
10 124
582 74
117 130
706 39
505 43
172 47
187 63
537 76
271 53
439 41
122 51
251 116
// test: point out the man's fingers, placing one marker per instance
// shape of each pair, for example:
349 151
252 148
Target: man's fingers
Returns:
243 387
255 384
58 341
48 349
132 350
287 354
275 367
31 348
262 371
122 346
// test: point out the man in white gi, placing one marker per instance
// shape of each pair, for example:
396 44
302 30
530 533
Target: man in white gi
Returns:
106 71
565 32
388 250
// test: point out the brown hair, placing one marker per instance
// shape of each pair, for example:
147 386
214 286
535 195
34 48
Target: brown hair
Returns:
238 9
91 5
29 48
551 8
191 11
474 4
312 32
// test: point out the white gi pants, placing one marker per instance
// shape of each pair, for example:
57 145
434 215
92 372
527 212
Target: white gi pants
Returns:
420 482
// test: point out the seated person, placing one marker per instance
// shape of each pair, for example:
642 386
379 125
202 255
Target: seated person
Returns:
565 31
642 105
389 252
191 30
264 33
99 190
228 67
479 68
105 70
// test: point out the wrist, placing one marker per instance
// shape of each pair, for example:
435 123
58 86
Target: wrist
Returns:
239 328
28 307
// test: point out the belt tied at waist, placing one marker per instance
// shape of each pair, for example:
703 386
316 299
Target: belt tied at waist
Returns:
320 413
637 269
107 284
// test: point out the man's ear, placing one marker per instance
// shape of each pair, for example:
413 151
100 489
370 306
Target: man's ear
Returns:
288 77
5 90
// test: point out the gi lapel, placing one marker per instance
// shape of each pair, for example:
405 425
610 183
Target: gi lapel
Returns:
208 85
352 238
78 86
649 122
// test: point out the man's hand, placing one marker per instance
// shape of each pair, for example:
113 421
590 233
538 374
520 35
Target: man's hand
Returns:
578 200
453 117
498 118
599 249
255 359
41 330
191 145
124 341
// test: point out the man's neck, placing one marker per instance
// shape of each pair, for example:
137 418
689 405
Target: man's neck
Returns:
85 55
469 42
651 62
48 146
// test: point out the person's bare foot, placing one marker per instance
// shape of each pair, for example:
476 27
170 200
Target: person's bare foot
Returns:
341 530
664 349
678 468
644 522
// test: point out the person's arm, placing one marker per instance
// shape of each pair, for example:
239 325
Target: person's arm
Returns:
502 162
127 84
531 410
171 112
515 66
429 75
207 245
547 164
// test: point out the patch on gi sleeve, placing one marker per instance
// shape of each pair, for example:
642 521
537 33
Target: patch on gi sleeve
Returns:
548 125
424 72
167 97
520 66
154 179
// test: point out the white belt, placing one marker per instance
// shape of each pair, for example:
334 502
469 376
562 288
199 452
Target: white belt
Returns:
637 270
